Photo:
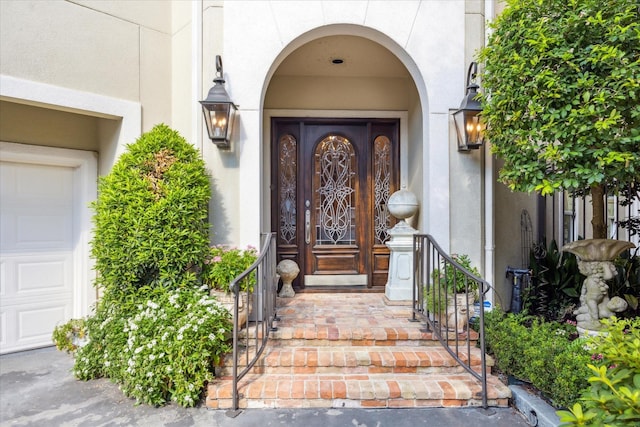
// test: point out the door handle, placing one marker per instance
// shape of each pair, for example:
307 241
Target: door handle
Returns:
307 226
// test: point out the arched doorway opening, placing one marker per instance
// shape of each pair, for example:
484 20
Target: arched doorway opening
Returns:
339 142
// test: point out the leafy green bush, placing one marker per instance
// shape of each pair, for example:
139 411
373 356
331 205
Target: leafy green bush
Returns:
614 396
151 218
225 264
156 330
570 367
505 338
553 363
546 354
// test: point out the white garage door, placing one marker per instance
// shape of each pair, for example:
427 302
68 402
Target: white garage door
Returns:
41 265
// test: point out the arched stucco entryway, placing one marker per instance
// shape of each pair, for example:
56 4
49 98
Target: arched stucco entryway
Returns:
345 72
259 36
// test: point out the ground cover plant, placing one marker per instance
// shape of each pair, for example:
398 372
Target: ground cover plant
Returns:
155 331
157 345
69 336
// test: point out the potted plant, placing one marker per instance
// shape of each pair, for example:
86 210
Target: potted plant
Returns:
222 266
452 292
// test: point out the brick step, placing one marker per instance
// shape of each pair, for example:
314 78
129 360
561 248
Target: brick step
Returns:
356 391
353 350
354 336
349 359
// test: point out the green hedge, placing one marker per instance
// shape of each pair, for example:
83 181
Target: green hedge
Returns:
546 354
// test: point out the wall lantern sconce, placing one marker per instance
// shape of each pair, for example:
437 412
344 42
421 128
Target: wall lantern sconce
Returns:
219 111
469 128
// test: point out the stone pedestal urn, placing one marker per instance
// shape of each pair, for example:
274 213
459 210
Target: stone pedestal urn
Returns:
595 261
288 271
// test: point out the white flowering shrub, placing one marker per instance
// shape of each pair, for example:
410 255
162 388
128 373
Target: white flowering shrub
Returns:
158 347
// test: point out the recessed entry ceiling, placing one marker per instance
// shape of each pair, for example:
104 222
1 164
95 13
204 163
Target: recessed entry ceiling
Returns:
360 58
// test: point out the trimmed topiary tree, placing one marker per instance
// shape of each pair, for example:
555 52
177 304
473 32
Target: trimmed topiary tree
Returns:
562 98
151 218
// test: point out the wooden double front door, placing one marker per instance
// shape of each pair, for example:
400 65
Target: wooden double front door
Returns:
331 180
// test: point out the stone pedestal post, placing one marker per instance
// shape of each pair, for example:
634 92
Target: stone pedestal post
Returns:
402 205
400 282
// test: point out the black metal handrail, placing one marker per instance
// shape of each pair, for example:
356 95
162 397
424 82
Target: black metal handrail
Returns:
263 312
437 278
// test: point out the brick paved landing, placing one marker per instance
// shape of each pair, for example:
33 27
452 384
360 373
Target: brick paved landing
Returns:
353 350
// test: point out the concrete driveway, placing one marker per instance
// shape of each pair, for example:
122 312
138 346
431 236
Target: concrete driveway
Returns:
38 389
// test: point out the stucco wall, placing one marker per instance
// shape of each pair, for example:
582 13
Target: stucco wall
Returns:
225 200
343 93
467 182
184 61
415 179
508 209
120 50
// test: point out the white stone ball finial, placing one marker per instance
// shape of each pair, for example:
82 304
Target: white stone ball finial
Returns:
403 204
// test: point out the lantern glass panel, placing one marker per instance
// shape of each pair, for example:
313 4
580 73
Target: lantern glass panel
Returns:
217 120
469 129
461 137
474 129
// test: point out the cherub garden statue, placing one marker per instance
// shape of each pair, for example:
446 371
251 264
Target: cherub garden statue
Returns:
594 297
594 261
